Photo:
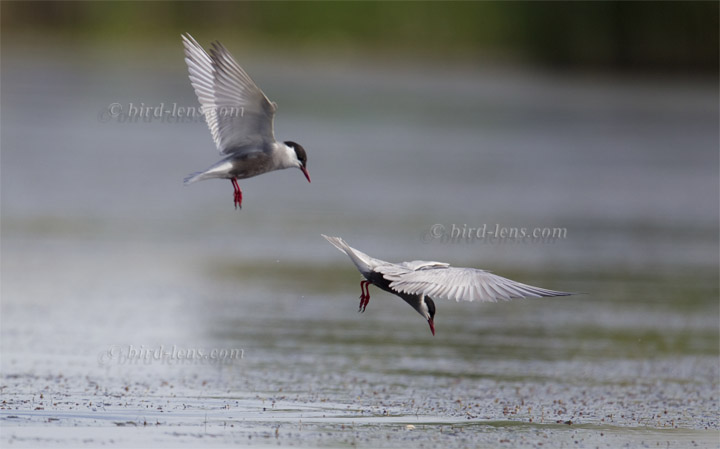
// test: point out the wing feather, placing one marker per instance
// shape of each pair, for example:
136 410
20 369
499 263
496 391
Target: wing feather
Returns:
463 284
238 114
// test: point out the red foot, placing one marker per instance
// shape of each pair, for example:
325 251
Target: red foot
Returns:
237 194
364 295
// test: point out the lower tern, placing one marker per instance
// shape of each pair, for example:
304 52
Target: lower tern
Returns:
418 280
240 118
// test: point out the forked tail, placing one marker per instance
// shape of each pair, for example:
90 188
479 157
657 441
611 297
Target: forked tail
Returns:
362 261
221 169
193 177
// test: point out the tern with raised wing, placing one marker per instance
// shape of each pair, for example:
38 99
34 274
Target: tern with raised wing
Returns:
240 118
418 281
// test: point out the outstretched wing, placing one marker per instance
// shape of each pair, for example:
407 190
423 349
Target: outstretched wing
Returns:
238 113
466 284
423 264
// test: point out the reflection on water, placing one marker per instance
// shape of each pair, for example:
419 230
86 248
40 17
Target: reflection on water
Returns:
102 246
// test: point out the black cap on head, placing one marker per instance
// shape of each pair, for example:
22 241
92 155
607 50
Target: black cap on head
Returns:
299 152
431 306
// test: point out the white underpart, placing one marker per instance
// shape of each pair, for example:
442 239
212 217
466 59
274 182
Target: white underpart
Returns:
424 311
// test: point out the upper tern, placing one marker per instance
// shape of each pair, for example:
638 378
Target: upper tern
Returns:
240 118
418 280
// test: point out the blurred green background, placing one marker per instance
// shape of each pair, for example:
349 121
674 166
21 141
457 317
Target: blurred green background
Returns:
646 36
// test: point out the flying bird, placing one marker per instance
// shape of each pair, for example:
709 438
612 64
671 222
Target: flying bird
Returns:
240 118
418 281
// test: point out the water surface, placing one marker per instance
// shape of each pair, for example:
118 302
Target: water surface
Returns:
104 252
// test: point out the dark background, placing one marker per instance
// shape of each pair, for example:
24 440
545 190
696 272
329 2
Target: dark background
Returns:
637 36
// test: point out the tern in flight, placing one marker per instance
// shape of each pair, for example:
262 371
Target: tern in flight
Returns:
240 118
419 281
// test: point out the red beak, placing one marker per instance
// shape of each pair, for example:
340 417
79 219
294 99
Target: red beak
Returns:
432 326
305 172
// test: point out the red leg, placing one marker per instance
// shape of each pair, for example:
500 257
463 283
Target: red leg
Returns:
364 295
237 198
367 295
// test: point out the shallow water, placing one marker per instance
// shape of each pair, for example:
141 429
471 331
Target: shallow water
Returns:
106 255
